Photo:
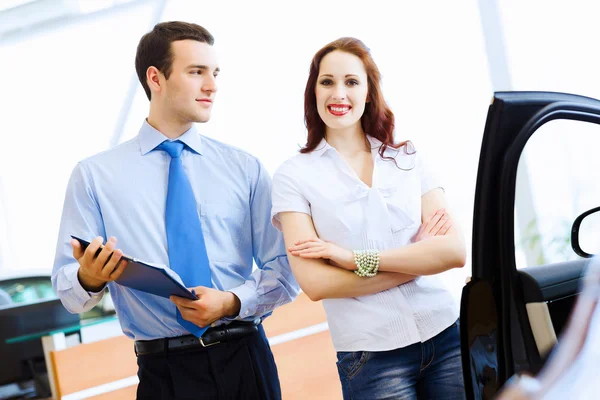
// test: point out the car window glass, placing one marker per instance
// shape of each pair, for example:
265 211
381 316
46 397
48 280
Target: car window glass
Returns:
558 179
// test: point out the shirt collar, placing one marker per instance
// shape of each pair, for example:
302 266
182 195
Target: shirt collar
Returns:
151 137
376 145
323 147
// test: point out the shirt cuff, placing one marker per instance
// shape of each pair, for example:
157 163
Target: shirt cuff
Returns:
247 296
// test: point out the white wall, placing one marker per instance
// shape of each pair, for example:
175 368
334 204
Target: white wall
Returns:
66 87
62 91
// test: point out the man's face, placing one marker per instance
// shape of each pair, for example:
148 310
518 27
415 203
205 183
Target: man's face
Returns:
191 88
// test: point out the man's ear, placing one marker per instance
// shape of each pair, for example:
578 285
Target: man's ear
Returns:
153 79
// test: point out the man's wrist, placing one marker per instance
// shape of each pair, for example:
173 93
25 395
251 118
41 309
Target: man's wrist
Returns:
90 285
233 305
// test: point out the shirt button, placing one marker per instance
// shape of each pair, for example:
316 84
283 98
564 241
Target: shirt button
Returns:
247 312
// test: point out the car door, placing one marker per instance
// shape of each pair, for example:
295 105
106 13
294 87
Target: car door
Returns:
516 302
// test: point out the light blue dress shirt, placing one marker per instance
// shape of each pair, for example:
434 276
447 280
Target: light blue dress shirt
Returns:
122 192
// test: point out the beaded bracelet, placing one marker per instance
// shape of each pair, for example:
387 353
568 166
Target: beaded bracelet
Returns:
367 262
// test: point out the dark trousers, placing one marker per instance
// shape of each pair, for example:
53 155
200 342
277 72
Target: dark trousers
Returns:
239 369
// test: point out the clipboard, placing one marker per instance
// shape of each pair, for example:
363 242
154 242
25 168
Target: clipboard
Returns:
147 278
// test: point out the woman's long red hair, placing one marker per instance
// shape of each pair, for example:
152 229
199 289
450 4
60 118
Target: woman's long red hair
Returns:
377 120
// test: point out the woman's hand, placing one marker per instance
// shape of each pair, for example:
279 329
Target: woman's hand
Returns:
436 225
317 248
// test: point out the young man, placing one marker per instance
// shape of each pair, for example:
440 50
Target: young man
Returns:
191 203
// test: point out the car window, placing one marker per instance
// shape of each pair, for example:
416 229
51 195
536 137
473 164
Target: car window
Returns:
558 179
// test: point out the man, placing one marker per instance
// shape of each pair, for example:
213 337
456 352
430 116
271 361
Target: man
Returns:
191 203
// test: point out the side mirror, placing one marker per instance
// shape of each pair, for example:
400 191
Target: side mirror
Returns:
585 233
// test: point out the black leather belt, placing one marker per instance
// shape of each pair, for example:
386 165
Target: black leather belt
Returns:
220 334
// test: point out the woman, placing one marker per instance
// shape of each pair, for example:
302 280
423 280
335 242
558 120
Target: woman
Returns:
350 207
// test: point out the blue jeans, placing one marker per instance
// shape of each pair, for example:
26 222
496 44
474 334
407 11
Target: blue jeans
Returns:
429 370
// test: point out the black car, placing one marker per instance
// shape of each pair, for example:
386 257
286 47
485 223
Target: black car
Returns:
512 312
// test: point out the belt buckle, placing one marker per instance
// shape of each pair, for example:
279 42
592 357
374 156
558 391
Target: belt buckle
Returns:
207 345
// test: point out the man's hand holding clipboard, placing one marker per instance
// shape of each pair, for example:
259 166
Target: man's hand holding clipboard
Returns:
101 264
98 264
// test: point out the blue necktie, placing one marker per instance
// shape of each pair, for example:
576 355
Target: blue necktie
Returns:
186 247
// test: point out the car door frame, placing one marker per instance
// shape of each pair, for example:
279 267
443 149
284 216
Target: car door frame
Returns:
494 287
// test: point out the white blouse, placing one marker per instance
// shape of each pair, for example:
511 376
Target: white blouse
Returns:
346 212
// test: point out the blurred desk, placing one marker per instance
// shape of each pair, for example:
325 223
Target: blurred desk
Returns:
56 339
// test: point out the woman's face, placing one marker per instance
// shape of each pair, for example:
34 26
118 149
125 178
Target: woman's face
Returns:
342 90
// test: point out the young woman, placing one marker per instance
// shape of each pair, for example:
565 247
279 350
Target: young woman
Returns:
351 207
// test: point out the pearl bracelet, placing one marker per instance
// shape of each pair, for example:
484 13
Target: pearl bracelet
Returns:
367 262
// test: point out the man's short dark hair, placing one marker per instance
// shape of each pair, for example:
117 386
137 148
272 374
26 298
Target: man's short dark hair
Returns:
154 48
